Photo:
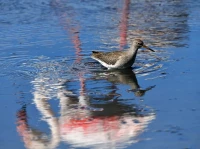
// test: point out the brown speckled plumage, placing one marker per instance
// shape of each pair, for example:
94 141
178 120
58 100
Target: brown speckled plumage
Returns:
110 57
119 59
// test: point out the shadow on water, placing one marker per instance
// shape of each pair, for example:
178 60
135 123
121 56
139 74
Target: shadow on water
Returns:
48 43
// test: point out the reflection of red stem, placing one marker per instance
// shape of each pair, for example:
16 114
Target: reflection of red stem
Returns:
82 84
77 44
68 25
22 126
74 33
67 22
124 24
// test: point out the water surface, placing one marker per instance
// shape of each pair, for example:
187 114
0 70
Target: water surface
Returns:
53 95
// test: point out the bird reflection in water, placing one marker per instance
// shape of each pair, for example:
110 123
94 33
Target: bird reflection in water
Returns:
126 76
83 122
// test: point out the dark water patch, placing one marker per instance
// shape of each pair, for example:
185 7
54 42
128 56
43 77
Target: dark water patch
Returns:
24 12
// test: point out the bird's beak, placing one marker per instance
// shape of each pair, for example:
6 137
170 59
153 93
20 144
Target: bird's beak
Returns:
144 46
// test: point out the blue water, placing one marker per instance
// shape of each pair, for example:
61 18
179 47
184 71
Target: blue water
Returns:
53 95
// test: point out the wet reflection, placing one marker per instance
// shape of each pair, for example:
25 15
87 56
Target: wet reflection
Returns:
83 121
164 24
126 76
124 24
34 138
92 110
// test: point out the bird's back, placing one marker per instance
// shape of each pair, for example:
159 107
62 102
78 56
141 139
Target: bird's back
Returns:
109 58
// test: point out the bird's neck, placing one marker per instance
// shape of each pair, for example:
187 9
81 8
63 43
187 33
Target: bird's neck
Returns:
132 52
133 48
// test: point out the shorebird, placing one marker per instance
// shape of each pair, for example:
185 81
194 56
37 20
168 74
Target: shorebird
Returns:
119 59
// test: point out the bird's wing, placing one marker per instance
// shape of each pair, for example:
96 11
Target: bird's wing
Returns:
109 57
